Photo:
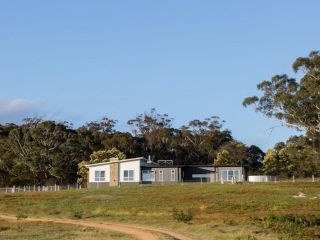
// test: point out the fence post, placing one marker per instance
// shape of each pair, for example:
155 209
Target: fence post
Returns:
80 187
14 189
201 181
68 187
24 188
182 181
312 178
293 179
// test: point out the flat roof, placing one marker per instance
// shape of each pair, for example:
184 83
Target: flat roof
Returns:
123 160
155 165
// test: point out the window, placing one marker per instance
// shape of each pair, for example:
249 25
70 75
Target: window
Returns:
128 175
148 176
100 176
173 175
160 175
228 175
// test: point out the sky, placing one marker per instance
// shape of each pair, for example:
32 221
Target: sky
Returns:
78 61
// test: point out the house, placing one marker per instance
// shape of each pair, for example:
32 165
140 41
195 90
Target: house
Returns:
141 170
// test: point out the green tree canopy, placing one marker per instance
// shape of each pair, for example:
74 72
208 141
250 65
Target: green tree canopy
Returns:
296 103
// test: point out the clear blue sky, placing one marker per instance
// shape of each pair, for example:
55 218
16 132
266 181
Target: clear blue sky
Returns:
81 60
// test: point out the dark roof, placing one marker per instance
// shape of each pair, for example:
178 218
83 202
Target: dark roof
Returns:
156 165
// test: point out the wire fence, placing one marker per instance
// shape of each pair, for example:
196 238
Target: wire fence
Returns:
56 188
35 188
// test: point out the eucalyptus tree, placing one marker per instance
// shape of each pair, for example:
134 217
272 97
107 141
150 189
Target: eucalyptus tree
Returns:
295 103
155 131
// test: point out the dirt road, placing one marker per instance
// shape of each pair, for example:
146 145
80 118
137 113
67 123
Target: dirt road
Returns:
139 232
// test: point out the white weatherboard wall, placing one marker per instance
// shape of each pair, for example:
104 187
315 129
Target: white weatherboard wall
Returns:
130 165
92 170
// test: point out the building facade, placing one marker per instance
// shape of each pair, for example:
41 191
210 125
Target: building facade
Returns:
140 170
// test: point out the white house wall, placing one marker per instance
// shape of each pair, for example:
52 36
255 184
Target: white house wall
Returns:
92 170
131 165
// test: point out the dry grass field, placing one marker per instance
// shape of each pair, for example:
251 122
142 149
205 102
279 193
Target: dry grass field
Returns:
13 230
236 212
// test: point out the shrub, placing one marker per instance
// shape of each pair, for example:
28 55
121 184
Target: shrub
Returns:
293 226
78 214
21 216
248 237
181 216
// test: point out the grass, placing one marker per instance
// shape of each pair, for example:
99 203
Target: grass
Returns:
13 230
233 212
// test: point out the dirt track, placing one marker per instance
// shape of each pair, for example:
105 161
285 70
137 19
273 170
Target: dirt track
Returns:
139 232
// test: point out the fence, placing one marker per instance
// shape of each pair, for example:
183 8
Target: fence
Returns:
35 188
54 188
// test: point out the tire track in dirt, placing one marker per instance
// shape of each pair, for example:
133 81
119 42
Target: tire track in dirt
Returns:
139 232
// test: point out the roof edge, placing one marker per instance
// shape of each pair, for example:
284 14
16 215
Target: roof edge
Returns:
107 163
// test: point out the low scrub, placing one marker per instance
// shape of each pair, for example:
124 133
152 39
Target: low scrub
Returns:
181 216
248 237
78 214
21 216
291 226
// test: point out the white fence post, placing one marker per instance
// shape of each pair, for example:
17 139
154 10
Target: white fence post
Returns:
312 178
293 178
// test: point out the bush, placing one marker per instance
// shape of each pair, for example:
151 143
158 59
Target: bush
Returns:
181 216
248 237
78 214
21 216
292 226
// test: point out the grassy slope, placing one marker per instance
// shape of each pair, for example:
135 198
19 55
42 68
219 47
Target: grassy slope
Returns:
13 230
221 211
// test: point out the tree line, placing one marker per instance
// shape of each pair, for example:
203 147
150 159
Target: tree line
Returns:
45 151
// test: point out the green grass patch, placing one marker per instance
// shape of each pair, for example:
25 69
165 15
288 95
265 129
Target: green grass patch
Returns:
218 211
